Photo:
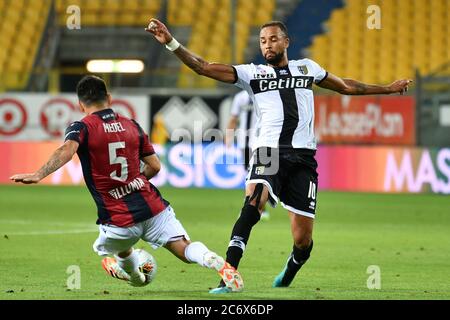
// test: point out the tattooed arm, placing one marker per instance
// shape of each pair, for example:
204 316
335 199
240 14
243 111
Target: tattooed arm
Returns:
217 71
60 157
353 87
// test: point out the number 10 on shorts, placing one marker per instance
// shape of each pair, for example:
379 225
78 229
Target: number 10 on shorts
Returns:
312 190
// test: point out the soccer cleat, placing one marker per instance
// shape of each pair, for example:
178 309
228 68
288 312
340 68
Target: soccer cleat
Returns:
230 276
112 268
212 260
282 279
220 290
278 282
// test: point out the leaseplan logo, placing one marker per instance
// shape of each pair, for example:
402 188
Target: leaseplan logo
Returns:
179 115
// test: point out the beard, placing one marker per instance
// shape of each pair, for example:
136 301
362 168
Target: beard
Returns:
276 59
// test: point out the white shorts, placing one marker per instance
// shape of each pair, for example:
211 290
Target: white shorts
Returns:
157 231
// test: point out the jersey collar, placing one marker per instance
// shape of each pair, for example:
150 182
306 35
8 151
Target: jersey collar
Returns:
106 114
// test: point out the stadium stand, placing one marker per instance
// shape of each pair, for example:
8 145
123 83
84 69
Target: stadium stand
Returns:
211 25
117 13
306 21
414 35
21 27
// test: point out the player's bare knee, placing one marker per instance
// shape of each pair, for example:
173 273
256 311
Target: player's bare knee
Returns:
178 248
303 242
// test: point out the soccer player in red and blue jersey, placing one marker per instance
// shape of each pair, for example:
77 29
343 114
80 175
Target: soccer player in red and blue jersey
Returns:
111 148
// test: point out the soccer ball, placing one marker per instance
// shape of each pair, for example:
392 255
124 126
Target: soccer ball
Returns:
147 265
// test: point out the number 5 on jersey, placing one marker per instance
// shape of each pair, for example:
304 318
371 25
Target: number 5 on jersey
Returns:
114 159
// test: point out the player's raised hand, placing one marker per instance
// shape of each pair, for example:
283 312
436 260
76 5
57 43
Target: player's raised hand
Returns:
159 31
400 86
26 178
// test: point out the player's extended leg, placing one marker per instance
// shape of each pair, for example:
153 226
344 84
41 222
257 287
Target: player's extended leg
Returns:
197 252
302 228
119 242
256 198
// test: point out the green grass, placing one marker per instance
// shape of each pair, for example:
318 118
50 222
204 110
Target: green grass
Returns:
407 236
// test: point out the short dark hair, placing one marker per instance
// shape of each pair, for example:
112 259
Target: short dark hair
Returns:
278 24
91 90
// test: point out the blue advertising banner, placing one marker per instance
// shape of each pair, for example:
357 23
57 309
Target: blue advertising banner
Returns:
204 165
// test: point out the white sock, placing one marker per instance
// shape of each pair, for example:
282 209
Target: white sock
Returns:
130 264
195 252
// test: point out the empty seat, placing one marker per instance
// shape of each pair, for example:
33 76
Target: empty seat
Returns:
414 34
22 26
112 6
212 24
111 12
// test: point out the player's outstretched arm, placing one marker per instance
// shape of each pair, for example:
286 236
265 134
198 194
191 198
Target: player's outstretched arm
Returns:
353 87
217 71
60 157
152 166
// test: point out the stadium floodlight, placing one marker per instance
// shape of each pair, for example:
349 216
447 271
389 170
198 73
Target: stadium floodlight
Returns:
115 66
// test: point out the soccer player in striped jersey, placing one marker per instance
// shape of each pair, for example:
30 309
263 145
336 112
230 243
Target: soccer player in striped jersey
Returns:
283 166
110 148
243 115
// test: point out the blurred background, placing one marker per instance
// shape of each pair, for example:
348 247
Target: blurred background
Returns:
379 144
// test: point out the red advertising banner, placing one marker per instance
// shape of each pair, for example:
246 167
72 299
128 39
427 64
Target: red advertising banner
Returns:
369 120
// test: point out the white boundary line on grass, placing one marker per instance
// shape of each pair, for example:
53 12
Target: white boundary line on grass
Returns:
48 232
77 228
45 222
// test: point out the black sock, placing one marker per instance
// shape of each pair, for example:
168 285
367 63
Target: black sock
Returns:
241 233
300 256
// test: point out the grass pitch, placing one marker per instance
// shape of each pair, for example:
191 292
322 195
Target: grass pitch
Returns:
44 230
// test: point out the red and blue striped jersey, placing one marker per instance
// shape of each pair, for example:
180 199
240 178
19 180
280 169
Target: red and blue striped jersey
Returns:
110 149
